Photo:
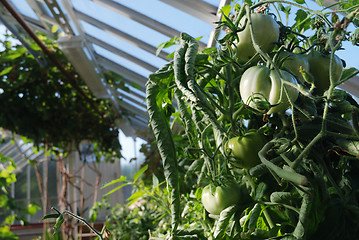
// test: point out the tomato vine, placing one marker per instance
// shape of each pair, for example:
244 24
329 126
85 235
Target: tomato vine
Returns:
38 103
307 161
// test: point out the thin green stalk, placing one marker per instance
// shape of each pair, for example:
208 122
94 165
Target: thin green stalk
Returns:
230 95
268 218
330 178
355 119
253 186
343 10
210 164
319 13
250 180
306 149
294 177
83 221
300 229
282 204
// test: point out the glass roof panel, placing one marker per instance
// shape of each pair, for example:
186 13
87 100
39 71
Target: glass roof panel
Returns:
123 45
121 61
23 7
120 22
171 16
213 2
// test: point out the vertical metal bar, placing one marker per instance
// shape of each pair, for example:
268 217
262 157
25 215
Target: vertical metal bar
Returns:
28 193
215 30
12 194
72 158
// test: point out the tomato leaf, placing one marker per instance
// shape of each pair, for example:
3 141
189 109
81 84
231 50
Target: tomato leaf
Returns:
121 179
351 146
320 2
300 1
262 187
134 197
223 221
6 70
139 173
49 216
226 9
116 189
348 73
255 213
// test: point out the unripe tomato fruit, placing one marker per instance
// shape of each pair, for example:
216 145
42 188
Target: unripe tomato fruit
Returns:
293 62
266 33
217 198
262 81
319 68
245 149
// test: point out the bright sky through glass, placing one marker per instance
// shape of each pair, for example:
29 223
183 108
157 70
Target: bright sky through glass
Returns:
24 8
171 16
349 52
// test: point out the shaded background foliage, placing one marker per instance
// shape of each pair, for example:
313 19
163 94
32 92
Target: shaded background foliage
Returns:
39 103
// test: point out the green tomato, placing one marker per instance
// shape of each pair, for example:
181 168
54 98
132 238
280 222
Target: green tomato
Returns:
319 68
293 62
266 34
216 199
260 81
245 149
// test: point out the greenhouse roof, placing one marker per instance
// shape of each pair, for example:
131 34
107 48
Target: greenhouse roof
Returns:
119 36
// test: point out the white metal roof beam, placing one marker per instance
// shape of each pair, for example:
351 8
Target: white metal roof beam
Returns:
40 12
126 73
121 53
199 9
59 16
135 99
215 30
140 123
140 18
122 35
133 108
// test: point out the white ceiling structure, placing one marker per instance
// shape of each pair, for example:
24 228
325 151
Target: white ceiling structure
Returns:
121 36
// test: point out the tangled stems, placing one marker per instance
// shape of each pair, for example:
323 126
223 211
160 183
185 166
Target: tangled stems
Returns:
60 219
291 176
318 13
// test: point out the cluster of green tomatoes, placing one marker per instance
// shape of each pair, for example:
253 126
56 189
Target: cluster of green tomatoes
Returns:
277 85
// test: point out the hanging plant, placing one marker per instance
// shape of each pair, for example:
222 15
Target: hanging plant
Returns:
40 104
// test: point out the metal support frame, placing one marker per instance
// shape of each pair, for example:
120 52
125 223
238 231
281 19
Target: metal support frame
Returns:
126 73
215 30
121 35
199 8
60 17
45 20
121 53
142 19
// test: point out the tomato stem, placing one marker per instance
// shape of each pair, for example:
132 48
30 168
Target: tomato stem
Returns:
289 176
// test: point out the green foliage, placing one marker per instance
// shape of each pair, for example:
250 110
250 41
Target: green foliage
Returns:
39 102
308 166
9 210
143 215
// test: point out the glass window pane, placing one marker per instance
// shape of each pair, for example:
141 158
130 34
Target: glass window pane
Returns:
23 7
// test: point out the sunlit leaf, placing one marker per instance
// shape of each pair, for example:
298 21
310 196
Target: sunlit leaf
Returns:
116 189
139 173
6 71
121 179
